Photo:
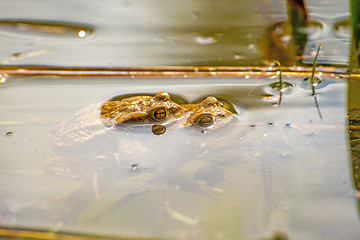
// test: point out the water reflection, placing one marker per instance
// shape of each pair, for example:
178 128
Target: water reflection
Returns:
43 28
188 33
158 129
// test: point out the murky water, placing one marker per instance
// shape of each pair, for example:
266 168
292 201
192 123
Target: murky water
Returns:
274 168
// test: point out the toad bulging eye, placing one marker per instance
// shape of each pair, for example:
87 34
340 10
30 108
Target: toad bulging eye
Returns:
205 121
159 114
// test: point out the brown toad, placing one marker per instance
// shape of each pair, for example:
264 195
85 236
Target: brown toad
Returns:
101 135
208 114
141 110
91 135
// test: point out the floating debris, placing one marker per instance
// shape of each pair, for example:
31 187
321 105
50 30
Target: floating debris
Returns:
44 28
136 167
10 133
32 53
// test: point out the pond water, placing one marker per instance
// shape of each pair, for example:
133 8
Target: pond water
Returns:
274 169
284 166
153 33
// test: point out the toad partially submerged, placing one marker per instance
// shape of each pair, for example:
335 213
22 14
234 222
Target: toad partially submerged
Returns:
208 114
115 129
140 110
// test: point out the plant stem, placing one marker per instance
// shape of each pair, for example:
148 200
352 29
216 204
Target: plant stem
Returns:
313 70
355 41
280 77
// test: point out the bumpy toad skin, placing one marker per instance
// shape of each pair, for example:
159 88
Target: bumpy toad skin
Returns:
98 119
141 110
208 114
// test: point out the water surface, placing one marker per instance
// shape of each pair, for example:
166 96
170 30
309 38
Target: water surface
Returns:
275 168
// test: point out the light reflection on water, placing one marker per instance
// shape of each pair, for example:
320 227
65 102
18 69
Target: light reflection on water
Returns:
244 180
124 33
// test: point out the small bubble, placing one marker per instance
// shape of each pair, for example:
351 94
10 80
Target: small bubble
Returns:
3 77
268 98
270 124
288 124
82 33
206 39
252 126
252 46
238 56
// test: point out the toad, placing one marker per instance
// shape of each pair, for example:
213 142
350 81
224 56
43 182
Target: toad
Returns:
102 134
208 114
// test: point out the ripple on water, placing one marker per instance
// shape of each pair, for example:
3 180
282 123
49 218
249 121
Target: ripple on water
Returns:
274 88
342 28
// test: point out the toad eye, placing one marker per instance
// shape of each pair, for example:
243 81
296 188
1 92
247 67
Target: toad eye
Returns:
205 121
159 114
